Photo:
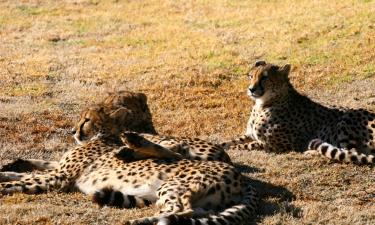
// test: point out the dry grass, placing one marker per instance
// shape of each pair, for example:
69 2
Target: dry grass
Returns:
190 58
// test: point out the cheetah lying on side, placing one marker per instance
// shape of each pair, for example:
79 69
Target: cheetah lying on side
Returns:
120 176
119 112
94 121
283 120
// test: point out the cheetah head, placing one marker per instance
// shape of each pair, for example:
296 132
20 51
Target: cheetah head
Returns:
267 81
93 123
118 112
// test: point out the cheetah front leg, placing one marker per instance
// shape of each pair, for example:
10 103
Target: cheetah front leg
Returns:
35 183
144 148
311 153
29 165
239 141
10 176
253 145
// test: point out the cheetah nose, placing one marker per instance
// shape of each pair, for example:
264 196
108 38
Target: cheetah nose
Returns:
252 89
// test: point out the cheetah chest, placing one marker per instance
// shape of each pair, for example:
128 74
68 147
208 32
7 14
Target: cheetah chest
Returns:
258 124
126 182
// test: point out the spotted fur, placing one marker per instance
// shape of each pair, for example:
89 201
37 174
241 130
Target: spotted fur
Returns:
284 120
95 122
124 177
125 111
183 190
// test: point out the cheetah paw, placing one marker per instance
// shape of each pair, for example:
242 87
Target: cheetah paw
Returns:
311 153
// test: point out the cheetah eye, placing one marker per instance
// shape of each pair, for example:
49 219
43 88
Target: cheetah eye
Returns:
264 78
250 76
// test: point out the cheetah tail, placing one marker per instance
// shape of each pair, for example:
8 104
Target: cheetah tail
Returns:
340 154
242 140
109 197
236 214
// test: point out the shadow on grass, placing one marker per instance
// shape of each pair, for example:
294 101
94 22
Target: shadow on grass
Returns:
274 199
243 168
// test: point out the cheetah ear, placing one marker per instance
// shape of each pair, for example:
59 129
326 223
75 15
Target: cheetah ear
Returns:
260 63
142 97
101 109
119 115
285 69
99 112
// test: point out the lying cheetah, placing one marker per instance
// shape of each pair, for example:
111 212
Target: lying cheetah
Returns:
140 148
120 176
93 123
111 118
283 120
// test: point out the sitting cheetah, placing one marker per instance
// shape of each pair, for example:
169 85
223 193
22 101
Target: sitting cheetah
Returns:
283 120
119 112
120 176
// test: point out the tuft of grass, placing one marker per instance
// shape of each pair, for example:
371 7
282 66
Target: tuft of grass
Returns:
369 71
33 90
30 10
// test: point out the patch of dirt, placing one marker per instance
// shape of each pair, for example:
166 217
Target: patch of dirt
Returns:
356 94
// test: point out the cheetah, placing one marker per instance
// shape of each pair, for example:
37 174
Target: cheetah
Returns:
139 148
282 120
93 123
125 111
186 191
122 110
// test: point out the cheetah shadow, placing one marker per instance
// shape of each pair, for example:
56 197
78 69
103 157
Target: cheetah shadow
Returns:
274 199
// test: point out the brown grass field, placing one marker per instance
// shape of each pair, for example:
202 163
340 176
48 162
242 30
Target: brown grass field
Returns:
190 58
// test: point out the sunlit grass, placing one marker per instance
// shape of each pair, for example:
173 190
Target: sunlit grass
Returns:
34 90
191 59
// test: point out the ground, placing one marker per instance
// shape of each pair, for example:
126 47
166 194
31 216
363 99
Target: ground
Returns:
191 59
